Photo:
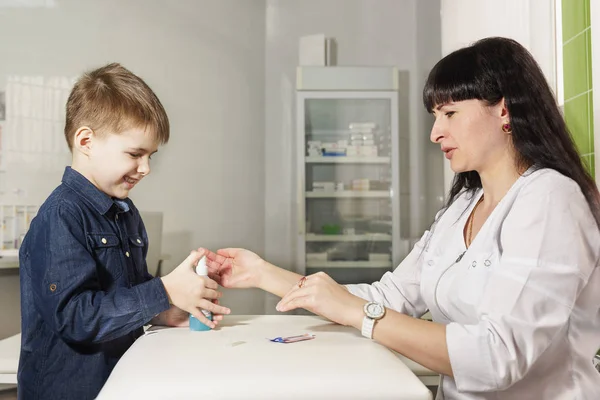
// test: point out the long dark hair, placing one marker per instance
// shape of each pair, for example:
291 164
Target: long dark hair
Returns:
497 68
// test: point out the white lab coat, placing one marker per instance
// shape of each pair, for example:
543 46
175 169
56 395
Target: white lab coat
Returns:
522 306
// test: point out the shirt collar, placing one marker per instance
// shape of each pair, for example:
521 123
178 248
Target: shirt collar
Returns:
97 198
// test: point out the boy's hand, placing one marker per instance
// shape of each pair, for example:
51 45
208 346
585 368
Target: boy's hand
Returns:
178 318
191 292
174 316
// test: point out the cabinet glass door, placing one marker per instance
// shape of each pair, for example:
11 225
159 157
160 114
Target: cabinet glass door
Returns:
348 176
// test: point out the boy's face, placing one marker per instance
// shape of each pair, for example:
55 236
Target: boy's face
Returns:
117 162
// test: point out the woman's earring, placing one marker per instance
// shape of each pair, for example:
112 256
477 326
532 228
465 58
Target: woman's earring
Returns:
506 128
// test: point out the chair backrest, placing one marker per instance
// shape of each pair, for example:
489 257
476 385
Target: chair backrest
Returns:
154 223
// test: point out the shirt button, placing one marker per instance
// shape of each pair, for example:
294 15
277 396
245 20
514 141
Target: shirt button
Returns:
139 241
430 262
127 253
117 216
103 240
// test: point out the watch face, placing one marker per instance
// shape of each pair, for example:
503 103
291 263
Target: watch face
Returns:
374 310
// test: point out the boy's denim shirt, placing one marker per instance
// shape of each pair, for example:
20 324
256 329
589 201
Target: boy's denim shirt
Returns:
85 291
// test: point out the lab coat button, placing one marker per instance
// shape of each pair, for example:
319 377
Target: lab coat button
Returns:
474 264
487 263
430 262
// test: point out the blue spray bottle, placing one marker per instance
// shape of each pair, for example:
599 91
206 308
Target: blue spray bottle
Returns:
195 324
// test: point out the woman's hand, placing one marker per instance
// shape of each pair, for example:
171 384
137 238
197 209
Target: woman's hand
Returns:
320 294
235 268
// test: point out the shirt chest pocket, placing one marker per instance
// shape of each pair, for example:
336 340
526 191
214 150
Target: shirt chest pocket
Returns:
475 273
136 248
107 250
429 275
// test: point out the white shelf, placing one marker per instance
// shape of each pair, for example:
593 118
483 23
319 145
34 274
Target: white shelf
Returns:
348 264
327 132
381 222
9 262
347 160
37 152
369 237
350 194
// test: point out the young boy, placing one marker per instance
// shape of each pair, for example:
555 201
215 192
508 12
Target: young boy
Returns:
85 288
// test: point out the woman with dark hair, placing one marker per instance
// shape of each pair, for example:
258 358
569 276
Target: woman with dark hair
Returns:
508 271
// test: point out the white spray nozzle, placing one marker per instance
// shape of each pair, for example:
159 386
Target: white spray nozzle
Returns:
201 268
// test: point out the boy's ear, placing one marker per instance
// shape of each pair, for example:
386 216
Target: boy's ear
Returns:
82 140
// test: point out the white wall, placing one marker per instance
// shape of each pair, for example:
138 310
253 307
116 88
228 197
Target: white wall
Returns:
429 47
225 72
530 22
206 61
595 32
404 33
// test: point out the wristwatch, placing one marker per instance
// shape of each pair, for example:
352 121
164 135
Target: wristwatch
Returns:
373 312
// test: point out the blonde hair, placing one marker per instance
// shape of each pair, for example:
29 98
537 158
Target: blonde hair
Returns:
113 99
